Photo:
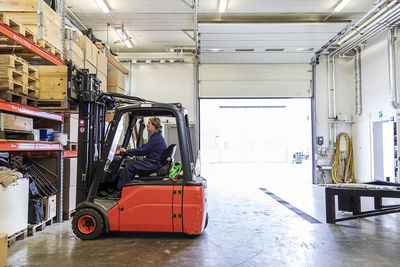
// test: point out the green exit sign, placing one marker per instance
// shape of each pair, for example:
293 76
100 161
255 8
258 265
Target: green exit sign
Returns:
380 114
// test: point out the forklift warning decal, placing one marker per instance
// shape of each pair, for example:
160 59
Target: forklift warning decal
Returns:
82 129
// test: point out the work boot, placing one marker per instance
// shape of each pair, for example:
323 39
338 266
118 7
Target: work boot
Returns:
115 195
103 193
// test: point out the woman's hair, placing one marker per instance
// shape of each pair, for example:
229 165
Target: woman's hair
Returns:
156 122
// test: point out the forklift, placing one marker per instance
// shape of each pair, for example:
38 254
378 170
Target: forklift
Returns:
152 202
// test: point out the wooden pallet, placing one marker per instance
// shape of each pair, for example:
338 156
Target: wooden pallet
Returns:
49 48
68 215
11 96
21 235
32 229
53 104
7 73
14 86
15 25
71 146
32 92
33 72
32 82
15 62
16 135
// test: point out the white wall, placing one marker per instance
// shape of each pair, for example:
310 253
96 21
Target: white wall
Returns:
168 83
375 99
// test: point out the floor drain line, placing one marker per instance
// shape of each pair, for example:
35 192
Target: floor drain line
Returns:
301 213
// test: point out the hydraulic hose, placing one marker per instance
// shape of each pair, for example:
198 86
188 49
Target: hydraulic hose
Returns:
342 167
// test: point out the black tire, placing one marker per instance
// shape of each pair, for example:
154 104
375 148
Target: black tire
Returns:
205 226
87 224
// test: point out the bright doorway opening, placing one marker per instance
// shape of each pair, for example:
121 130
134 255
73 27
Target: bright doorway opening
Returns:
263 141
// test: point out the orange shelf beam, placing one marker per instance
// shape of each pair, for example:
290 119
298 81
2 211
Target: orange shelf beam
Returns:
21 40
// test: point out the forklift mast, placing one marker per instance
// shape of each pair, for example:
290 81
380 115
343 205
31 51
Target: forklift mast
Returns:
91 126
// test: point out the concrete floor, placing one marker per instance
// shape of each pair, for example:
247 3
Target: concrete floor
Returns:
246 228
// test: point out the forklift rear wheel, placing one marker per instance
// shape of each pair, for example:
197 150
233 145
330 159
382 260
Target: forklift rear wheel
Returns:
88 224
205 226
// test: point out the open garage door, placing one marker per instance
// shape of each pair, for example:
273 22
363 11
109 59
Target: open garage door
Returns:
255 80
264 140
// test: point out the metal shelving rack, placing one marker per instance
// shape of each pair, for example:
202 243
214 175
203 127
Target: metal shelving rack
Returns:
32 147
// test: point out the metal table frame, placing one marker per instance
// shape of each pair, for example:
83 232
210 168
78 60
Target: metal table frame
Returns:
349 198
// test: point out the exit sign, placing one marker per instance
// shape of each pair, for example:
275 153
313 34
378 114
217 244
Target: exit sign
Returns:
380 114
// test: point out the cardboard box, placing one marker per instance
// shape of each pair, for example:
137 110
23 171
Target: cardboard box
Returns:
92 68
103 78
71 126
3 249
50 207
70 172
16 123
114 89
69 198
101 62
116 78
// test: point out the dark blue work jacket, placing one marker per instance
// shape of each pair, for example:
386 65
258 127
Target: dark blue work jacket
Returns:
152 149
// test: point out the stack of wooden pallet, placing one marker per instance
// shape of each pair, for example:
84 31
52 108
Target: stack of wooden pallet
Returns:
19 81
36 17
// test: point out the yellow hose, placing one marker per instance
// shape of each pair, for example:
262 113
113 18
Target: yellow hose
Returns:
342 168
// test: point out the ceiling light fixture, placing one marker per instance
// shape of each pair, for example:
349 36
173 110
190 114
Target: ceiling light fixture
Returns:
171 60
305 49
222 5
214 50
274 49
244 49
134 61
148 61
162 61
124 38
103 6
341 5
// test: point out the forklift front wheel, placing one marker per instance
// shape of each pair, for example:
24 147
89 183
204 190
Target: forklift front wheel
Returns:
87 224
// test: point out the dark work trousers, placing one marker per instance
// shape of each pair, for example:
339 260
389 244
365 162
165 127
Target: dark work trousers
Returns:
130 170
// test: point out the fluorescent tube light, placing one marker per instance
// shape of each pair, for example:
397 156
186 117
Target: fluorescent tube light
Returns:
303 49
103 6
214 49
124 38
222 5
341 5
274 49
128 43
148 61
244 49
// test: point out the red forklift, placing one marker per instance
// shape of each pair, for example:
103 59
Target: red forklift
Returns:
152 202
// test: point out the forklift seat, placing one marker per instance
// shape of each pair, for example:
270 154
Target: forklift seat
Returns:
167 158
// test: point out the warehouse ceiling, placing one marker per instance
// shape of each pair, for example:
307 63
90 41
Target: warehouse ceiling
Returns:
242 34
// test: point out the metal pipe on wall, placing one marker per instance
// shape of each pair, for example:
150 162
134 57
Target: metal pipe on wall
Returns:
313 122
357 24
391 17
393 67
329 99
357 66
